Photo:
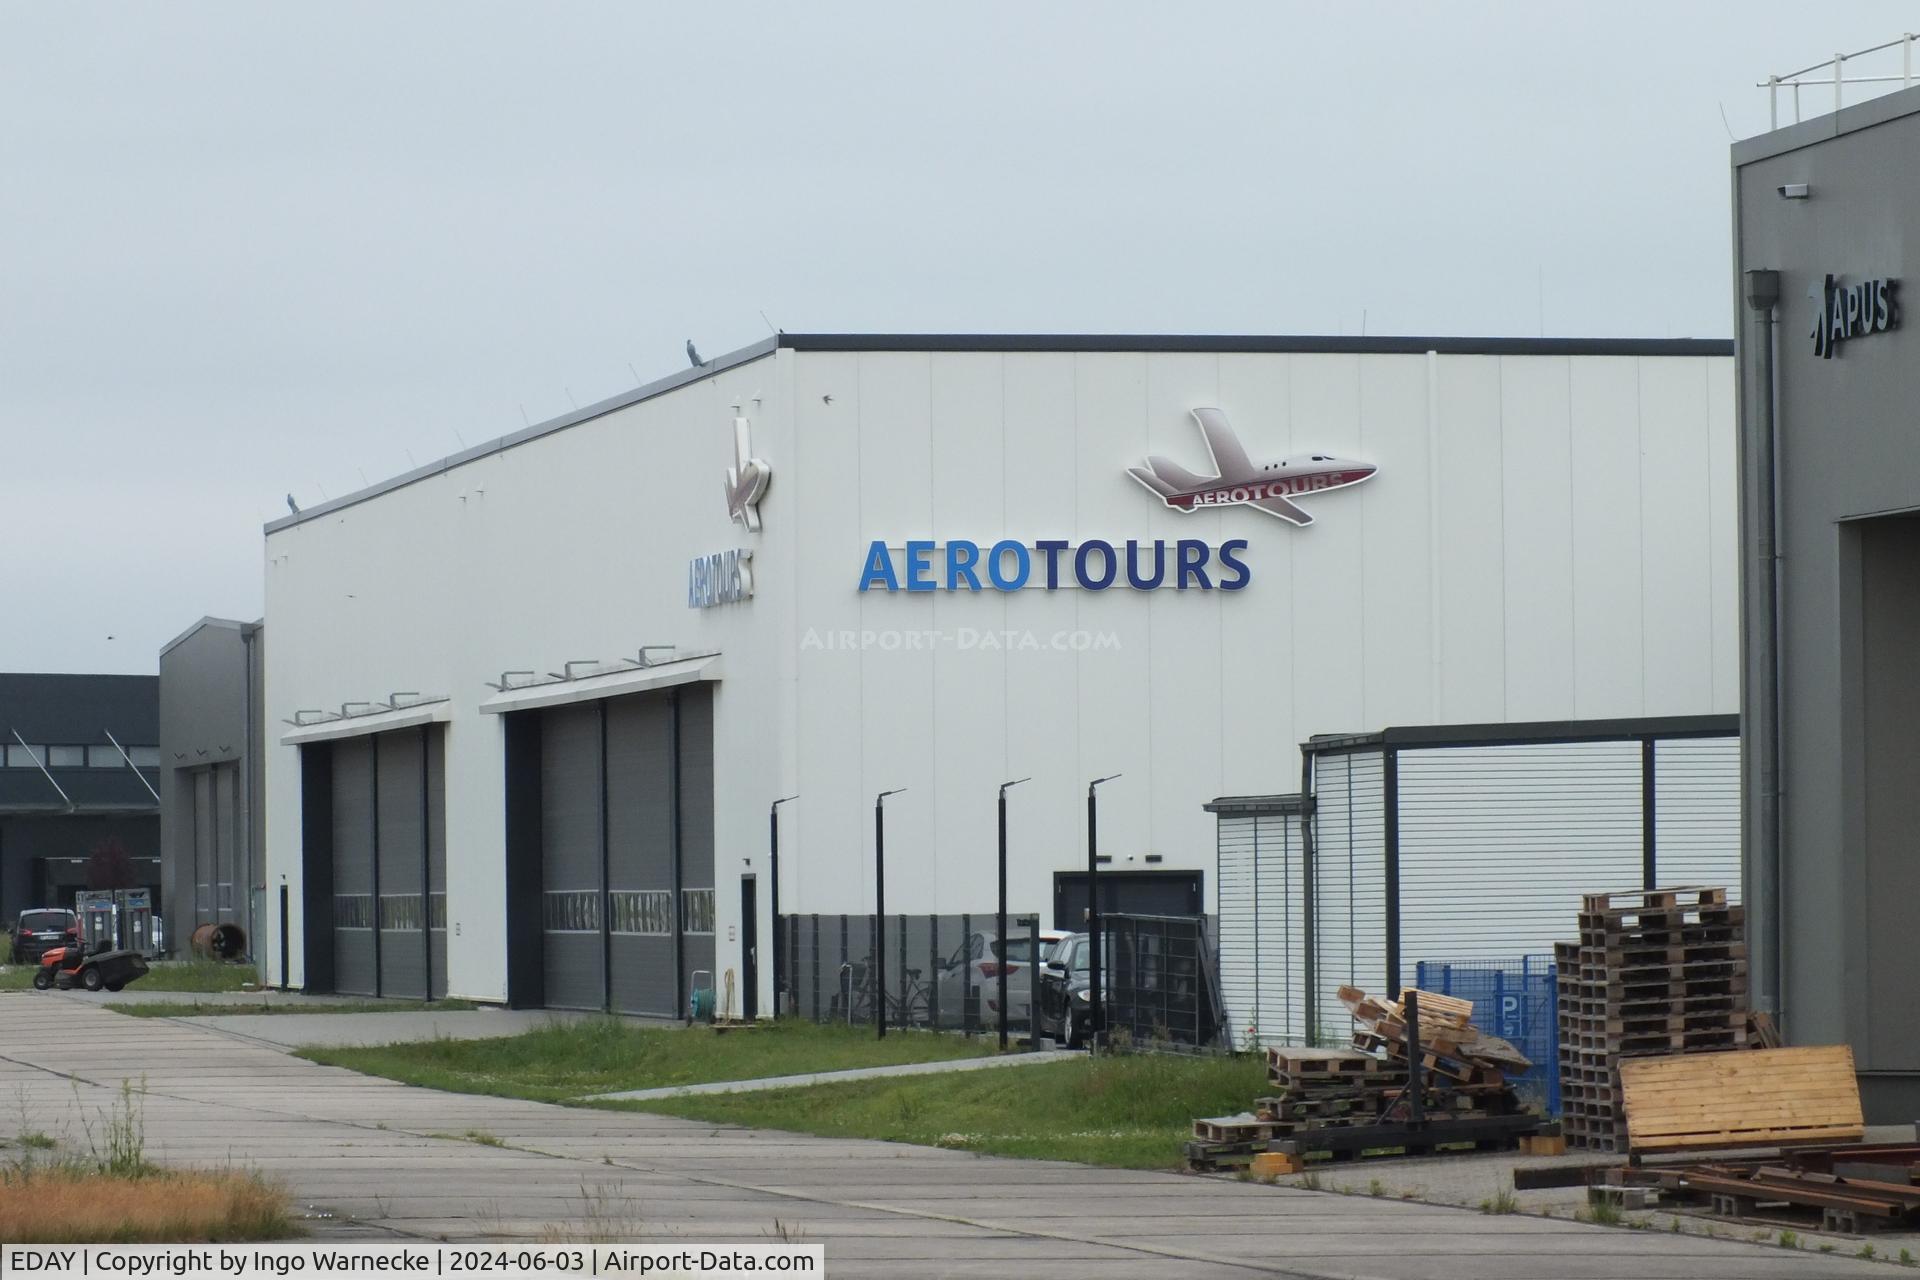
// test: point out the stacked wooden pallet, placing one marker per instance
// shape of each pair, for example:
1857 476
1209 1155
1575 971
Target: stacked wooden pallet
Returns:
1655 973
1341 1102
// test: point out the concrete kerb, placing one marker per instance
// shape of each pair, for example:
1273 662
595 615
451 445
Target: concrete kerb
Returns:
832 1077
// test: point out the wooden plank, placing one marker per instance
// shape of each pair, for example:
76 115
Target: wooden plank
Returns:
1741 1098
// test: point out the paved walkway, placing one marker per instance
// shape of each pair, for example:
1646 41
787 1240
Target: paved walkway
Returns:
830 1077
391 1159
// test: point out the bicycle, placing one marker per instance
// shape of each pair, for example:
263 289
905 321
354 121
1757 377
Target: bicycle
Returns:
912 1007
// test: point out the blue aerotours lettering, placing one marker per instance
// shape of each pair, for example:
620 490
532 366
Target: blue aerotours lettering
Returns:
1022 561
1052 551
1230 558
961 557
1189 564
919 568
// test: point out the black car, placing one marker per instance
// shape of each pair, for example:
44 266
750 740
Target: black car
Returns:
41 928
1064 983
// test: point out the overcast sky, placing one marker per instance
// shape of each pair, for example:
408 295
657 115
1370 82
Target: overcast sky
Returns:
247 249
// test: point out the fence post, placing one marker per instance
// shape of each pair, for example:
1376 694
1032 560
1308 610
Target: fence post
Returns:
933 970
1033 982
969 1013
1500 1002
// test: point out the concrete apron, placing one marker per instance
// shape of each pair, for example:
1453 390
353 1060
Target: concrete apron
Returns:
387 1160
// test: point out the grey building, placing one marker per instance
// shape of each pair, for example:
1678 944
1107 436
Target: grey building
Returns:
210 825
78 766
1825 215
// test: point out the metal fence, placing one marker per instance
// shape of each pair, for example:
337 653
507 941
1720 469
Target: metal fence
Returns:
941 971
1517 1002
1163 984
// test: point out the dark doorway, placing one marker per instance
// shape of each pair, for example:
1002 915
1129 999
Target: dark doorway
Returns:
749 949
1141 893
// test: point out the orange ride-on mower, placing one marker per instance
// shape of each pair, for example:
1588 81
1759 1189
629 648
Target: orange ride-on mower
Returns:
72 966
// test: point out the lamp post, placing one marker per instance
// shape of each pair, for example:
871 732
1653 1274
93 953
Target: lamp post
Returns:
773 875
880 911
1000 932
1096 1004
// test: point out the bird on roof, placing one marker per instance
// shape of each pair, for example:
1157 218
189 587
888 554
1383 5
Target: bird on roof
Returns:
694 355
292 505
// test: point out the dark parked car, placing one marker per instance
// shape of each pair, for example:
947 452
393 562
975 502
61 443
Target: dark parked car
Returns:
40 928
1064 983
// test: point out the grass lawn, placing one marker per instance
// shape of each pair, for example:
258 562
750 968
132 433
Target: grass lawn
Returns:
566 1060
1131 1111
166 975
207 1008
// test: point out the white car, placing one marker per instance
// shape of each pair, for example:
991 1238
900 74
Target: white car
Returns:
975 966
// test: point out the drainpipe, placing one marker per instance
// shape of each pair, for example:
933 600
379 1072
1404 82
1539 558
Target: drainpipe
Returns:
1763 296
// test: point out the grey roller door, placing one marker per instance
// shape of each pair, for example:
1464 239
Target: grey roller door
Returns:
203 870
354 888
400 801
1349 885
1697 812
640 817
1262 928
696 833
226 832
571 873
437 857
1498 843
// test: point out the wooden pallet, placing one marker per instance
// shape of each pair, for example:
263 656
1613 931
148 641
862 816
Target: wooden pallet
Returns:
1764 1097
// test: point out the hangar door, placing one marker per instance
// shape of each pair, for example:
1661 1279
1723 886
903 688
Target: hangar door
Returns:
625 848
384 856
218 879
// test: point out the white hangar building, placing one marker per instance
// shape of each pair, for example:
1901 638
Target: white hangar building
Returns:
531 704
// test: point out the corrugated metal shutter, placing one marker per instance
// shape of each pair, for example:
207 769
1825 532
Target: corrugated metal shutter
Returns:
1262 938
400 803
437 855
640 853
1235 863
570 857
353 869
1696 812
226 831
697 905
203 853
1497 844
1350 885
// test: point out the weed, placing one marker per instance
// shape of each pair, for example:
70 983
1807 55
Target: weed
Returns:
119 1146
1376 1188
1675 1225
605 1218
1906 1257
1311 1181
787 1232
1602 1212
482 1137
1866 1251
1502 1201
34 1140
1827 1247
1788 1239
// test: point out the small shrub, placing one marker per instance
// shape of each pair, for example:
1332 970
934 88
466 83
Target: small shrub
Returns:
1906 1257
1502 1201
1788 1239
1376 1188
1603 1213
1866 1251
1827 1247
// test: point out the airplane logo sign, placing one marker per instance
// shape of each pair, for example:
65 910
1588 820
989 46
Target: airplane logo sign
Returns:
747 479
1238 481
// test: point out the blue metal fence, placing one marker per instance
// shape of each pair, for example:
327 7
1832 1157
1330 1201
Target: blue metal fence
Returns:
1517 1002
